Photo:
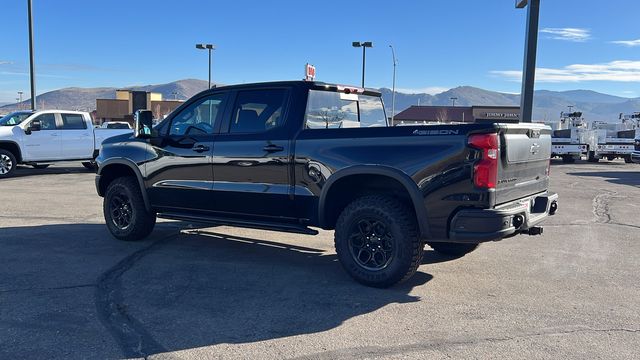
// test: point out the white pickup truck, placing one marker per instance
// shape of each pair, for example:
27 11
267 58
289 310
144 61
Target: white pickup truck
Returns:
39 138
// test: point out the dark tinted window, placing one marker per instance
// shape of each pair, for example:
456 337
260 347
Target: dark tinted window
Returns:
118 126
199 117
73 122
47 121
258 111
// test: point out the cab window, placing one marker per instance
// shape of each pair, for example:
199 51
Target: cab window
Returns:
47 121
73 122
258 111
199 118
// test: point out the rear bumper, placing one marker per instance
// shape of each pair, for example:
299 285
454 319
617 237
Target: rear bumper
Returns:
481 225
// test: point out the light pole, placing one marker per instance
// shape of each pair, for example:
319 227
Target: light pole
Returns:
393 93
364 45
530 50
209 47
570 108
175 95
453 101
31 56
19 100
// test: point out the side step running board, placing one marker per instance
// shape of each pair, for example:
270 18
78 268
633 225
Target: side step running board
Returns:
263 225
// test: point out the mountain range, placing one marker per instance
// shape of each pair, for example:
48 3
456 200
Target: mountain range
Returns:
547 104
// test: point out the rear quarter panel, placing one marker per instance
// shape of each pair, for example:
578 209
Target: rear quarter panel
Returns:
436 158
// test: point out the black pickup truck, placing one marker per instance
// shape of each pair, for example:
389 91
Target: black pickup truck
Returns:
290 156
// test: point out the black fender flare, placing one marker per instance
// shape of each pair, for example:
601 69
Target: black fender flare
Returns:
136 170
13 143
410 186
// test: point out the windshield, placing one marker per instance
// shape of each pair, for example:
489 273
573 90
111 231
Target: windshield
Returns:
14 118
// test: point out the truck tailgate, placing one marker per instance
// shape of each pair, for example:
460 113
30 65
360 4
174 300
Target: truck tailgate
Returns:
524 161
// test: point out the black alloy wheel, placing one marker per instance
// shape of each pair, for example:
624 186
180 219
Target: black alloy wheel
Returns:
121 211
371 244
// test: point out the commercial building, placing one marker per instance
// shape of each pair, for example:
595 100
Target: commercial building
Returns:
128 102
465 114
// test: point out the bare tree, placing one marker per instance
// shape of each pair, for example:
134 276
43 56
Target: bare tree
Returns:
328 117
442 115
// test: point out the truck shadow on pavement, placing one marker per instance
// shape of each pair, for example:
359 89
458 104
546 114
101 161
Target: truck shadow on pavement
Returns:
631 178
192 288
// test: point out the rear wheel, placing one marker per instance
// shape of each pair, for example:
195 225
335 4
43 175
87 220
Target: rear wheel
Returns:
377 241
627 159
124 212
568 159
7 163
40 166
453 249
592 157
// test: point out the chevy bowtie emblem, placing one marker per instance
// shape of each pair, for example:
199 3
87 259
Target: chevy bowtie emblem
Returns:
534 148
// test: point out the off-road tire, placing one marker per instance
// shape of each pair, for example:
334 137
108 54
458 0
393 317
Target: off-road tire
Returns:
8 163
452 249
400 226
123 200
40 166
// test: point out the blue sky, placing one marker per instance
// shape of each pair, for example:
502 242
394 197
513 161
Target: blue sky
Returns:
439 43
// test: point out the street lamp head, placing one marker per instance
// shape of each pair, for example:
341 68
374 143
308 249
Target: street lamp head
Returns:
205 46
367 44
521 3
356 44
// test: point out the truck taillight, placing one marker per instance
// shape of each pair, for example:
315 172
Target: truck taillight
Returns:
485 171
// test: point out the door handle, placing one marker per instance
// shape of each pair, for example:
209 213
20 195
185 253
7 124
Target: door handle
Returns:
272 148
201 148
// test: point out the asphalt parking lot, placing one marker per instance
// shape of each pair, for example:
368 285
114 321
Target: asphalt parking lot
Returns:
68 290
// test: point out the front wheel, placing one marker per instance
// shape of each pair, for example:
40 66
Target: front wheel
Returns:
452 249
7 163
627 159
124 212
377 241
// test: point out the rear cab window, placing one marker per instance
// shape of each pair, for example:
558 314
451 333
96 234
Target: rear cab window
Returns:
73 122
336 110
257 111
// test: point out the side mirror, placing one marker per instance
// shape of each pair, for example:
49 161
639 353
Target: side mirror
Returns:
34 126
143 120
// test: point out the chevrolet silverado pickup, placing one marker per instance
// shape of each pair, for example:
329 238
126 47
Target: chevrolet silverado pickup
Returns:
39 138
294 156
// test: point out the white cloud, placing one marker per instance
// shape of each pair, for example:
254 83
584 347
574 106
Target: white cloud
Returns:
2 62
618 71
568 34
629 43
433 90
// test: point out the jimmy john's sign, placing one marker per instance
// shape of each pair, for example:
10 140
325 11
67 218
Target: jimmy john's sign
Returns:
496 113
